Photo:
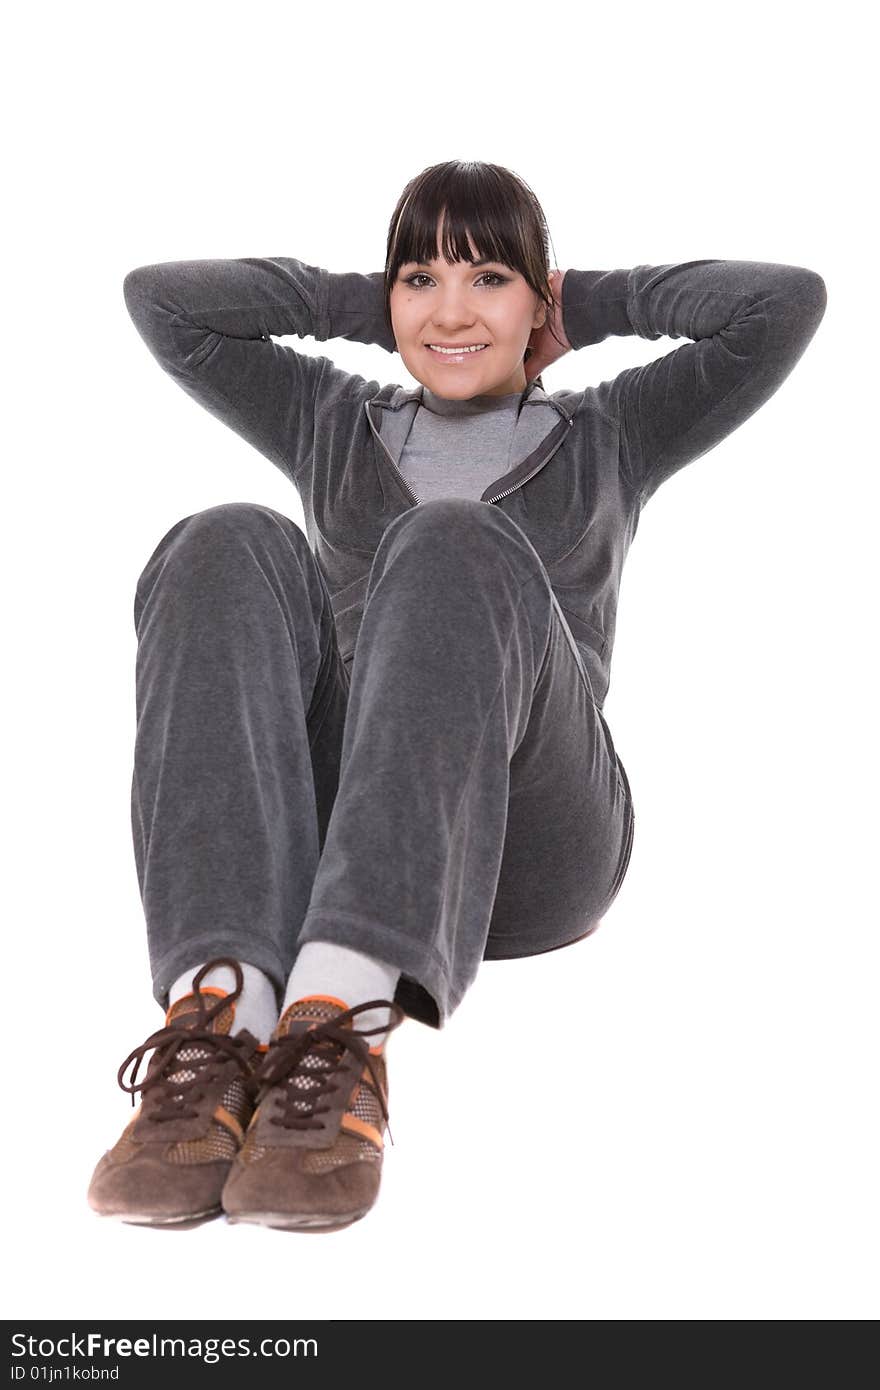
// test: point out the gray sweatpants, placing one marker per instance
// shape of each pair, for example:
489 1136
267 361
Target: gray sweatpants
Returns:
455 797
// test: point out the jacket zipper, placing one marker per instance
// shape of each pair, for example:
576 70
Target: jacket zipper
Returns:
407 489
415 500
538 466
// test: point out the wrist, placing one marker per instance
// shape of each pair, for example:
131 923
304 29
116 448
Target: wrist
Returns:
594 306
356 308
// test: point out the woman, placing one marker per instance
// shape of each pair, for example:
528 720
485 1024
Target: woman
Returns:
428 662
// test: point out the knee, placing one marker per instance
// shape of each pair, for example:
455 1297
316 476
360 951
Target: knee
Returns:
217 532
443 513
228 521
447 521
458 526
236 520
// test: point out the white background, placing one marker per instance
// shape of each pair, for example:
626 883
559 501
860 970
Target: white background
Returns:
675 1119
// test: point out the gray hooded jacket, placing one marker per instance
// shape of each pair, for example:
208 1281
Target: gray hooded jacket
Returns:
584 461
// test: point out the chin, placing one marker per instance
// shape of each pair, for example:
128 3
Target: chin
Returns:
461 386
455 384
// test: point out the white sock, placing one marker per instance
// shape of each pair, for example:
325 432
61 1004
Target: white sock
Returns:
256 1008
322 967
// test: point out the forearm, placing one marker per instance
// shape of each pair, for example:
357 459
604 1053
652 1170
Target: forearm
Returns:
691 299
356 308
177 305
749 322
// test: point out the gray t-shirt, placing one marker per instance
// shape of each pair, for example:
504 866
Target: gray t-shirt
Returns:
457 448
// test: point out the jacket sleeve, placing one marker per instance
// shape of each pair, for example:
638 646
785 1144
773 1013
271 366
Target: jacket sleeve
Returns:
210 326
750 322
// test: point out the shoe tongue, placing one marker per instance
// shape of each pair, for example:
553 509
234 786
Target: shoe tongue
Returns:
315 1008
184 1012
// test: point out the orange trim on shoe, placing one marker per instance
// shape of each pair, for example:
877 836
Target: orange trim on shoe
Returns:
366 1078
229 1120
205 989
328 998
362 1129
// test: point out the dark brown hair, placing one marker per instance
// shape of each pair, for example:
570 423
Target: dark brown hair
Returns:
493 205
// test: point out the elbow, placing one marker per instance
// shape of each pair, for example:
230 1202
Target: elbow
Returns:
804 304
818 299
813 297
133 291
142 294
819 292
134 287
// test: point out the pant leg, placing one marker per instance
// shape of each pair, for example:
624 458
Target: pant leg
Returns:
571 820
241 697
481 810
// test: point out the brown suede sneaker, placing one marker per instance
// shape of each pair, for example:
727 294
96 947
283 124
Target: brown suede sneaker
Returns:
173 1157
312 1156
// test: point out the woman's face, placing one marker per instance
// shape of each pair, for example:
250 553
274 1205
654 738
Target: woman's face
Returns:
463 305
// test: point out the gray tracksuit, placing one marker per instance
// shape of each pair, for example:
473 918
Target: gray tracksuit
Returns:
562 517
586 461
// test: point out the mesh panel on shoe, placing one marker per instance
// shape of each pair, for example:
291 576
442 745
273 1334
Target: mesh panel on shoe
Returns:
250 1150
301 1082
187 1004
366 1107
219 1142
346 1148
125 1147
318 1009
193 1053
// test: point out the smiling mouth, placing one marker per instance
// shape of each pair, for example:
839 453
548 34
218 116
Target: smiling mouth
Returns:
465 350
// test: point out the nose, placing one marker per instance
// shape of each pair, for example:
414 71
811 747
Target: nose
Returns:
452 311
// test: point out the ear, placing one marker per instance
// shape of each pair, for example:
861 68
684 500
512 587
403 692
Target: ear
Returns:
540 315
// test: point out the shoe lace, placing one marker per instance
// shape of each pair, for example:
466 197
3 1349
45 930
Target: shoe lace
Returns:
325 1045
171 1098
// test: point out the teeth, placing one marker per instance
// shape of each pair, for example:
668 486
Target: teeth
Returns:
452 352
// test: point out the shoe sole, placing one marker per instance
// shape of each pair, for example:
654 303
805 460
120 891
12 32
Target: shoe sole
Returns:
194 1218
290 1221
